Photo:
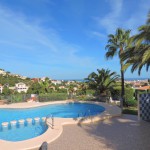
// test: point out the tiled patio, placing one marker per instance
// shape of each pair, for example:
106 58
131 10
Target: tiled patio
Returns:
120 133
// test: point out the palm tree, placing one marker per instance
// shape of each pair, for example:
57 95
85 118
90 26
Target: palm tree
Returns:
102 82
82 88
138 55
117 44
45 85
71 91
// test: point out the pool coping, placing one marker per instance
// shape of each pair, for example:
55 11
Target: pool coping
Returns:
52 134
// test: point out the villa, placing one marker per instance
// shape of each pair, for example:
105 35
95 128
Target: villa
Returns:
2 72
1 88
56 82
21 87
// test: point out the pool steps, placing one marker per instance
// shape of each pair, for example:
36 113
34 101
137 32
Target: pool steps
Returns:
21 122
38 119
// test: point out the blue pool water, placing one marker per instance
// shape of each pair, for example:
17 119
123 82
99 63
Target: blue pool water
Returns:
71 110
22 132
26 131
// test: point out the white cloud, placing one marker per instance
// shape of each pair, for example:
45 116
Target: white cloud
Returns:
97 34
43 46
110 21
116 16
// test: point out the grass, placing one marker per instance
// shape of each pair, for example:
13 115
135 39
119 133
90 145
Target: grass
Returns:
130 110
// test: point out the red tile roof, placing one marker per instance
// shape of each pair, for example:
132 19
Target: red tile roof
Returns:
144 88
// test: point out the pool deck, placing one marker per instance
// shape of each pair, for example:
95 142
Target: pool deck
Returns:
52 134
119 133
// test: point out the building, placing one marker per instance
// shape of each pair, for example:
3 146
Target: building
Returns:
21 87
144 88
56 81
35 80
1 88
2 72
23 77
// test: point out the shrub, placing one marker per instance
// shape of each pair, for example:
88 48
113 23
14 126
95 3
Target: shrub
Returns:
90 92
116 93
129 94
131 102
52 97
84 97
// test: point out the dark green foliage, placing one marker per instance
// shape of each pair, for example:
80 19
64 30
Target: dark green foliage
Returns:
16 98
102 82
82 89
35 88
130 110
6 91
90 92
138 54
116 93
131 102
129 94
8 79
62 90
52 97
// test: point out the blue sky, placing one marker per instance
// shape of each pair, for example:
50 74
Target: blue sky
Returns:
64 39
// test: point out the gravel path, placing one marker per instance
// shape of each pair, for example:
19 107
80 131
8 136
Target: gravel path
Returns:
121 133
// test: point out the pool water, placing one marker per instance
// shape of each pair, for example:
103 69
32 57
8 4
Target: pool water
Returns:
22 132
72 110
28 131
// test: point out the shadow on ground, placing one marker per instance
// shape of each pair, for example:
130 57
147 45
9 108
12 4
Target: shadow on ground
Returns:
120 133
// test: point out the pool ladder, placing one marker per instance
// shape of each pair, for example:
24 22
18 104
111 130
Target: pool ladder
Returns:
84 114
51 124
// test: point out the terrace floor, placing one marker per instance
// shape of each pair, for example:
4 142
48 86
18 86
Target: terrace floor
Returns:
120 133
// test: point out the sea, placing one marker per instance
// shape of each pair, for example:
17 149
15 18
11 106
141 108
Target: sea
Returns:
127 79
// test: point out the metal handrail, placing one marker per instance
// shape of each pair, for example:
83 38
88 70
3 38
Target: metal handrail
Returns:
84 114
52 118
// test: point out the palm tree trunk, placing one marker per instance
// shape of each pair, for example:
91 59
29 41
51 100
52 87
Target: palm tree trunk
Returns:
122 88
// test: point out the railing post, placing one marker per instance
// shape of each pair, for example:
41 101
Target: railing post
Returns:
138 105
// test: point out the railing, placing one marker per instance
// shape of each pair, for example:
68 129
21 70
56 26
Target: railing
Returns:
51 124
82 114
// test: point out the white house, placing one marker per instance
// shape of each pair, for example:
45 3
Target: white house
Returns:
21 87
2 72
56 81
1 88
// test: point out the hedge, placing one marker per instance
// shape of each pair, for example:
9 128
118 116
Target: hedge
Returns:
52 97
116 93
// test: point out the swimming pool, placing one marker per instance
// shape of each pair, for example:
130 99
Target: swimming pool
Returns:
24 131
70 110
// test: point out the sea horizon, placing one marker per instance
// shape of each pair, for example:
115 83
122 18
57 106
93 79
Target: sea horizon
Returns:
126 79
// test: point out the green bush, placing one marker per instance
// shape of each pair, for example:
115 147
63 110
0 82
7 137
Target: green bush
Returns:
129 94
52 97
16 98
84 98
90 92
131 102
116 93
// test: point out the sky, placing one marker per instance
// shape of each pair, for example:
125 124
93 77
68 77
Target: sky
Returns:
64 39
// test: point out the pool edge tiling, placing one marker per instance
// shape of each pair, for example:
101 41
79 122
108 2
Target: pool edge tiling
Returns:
52 134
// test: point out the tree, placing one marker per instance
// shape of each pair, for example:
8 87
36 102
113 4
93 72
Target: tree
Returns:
102 82
6 91
71 91
138 54
45 85
117 44
35 88
82 89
